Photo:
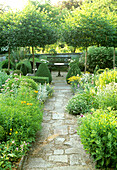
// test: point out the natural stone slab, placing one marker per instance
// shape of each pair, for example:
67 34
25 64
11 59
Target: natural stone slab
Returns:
58 152
62 130
72 151
38 163
59 140
71 168
59 158
58 116
75 159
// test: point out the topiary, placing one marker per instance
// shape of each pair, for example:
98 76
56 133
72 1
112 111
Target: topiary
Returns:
2 133
43 71
17 72
73 71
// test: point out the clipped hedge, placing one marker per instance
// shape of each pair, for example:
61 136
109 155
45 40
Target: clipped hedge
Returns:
43 71
41 80
98 132
73 71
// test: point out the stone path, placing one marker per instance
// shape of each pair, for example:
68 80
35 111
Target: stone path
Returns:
58 146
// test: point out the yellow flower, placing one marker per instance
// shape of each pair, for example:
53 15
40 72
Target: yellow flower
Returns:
9 133
10 129
16 132
24 101
36 91
29 104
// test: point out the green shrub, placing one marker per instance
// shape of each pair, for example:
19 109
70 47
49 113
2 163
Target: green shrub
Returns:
15 83
6 71
24 66
82 102
98 132
18 72
2 133
41 80
43 71
101 56
73 71
4 64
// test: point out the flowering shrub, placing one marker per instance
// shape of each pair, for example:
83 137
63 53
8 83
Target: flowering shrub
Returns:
20 117
74 81
106 77
98 133
108 96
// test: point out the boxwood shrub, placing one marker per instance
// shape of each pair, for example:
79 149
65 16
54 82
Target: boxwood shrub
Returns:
43 71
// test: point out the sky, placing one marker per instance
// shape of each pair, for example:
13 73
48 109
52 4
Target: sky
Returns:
18 4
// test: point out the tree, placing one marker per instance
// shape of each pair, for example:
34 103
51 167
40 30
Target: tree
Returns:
33 28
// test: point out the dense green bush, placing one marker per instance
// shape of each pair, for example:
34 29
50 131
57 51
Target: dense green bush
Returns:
73 71
43 71
4 64
82 102
98 132
101 56
41 80
15 83
24 66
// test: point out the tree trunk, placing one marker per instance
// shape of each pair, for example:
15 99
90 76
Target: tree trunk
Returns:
85 61
33 60
114 59
9 60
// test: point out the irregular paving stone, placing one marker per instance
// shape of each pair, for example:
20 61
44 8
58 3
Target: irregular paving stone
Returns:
38 163
58 116
72 150
59 140
62 130
59 158
71 168
75 159
58 152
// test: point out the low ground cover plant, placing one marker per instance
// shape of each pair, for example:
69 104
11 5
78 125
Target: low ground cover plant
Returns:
98 131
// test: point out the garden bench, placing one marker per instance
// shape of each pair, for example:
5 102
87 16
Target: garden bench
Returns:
58 62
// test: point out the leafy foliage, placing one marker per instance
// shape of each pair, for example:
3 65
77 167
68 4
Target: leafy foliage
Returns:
98 135
100 56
